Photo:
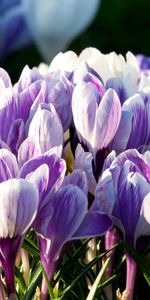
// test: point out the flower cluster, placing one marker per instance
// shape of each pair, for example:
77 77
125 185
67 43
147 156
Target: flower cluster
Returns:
102 103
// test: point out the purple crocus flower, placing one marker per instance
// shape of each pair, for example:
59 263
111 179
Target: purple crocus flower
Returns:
66 218
96 115
15 109
125 185
18 206
25 115
45 173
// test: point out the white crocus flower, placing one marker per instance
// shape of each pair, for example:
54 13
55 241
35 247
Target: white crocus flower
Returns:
54 24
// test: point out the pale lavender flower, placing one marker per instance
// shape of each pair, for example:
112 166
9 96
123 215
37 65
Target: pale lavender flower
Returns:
124 189
96 113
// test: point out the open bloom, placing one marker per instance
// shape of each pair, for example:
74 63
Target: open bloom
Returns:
125 185
66 218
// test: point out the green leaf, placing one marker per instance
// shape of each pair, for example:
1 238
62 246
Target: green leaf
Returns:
97 280
34 282
31 247
20 280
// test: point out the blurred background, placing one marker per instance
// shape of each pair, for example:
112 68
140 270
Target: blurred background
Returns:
119 25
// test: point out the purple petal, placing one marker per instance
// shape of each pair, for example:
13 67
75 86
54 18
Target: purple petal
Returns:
108 118
122 135
16 135
60 95
98 219
83 161
18 206
77 177
139 129
57 169
142 227
46 128
62 216
28 149
117 85
143 61
131 195
93 225
8 165
139 164
40 178
27 77
30 98
104 194
108 160
8 111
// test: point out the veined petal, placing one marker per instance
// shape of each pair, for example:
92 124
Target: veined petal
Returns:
16 135
108 118
46 128
57 169
94 224
8 165
131 195
28 150
84 106
62 216
18 207
139 130
123 133
77 177
104 194
40 178
83 161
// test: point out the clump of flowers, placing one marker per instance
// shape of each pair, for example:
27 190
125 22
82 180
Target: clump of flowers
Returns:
75 165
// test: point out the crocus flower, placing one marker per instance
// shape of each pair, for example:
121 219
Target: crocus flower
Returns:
66 218
18 207
44 175
125 185
114 66
50 26
26 115
96 114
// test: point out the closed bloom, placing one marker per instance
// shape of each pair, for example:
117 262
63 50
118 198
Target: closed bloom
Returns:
126 187
96 113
